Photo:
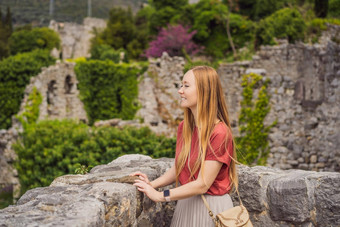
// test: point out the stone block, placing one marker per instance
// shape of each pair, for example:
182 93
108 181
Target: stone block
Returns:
327 198
288 199
313 158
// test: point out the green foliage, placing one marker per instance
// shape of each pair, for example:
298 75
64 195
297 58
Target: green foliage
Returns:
321 8
6 196
253 142
317 25
106 52
334 8
285 23
258 9
165 12
6 29
123 33
53 148
108 90
82 169
161 4
162 17
37 38
210 23
190 64
31 112
15 74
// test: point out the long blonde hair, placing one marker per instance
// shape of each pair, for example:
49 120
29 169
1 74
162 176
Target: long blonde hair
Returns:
211 104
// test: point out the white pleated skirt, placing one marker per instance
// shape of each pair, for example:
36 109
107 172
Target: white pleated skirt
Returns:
192 212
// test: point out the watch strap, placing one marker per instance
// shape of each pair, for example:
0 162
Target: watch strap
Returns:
166 194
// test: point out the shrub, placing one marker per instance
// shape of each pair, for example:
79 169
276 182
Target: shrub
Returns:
37 38
31 112
123 33
258 9
106 52
316 26
209 20
6 30
334 8
174 40
285 23
53 148
108 90
15 74
253 142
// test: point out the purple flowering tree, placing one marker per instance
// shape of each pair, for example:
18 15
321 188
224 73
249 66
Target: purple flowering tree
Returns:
175 39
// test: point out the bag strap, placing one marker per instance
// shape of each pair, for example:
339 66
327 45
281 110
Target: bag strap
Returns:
211 214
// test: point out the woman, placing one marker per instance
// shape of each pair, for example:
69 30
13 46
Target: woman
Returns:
205 153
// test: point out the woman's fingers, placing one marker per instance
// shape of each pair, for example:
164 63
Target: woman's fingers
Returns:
140 185
141 176
137 173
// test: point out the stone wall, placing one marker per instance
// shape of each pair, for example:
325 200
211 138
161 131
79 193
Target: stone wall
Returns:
158 95
305 101
58 86
9 180
75 38
105 197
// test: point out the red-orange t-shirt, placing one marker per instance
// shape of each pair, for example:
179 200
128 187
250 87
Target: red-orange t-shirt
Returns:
219 137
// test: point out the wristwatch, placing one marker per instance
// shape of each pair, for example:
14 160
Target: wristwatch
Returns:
166 194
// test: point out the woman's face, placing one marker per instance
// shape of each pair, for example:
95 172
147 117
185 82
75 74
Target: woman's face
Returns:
188 91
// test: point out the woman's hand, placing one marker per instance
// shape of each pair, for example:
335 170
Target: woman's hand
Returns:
142 177
147 189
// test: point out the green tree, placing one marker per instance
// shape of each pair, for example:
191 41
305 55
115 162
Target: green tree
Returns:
334 8
122 32
37 38
210 24
8 22
259 9
321 8
5 33
106 52
285 23
160 4
15 74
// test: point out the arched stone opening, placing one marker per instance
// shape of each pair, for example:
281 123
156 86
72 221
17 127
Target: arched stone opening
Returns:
68 85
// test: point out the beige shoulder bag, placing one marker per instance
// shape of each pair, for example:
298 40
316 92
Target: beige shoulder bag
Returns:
233 217
236 216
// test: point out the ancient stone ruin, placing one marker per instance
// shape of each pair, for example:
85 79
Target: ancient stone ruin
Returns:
158 95
58 86
304 91
75 38
106 197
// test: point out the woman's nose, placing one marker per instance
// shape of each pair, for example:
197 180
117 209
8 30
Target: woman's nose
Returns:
180 91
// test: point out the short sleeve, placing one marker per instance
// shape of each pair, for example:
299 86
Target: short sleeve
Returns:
221 145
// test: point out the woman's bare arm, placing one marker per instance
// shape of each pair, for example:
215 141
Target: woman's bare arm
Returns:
197 187
167 178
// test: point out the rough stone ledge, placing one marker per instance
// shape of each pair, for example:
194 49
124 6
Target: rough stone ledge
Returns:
105 197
